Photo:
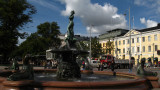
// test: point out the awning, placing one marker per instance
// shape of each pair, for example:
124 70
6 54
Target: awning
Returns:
155 59
149 59
143 59
132 58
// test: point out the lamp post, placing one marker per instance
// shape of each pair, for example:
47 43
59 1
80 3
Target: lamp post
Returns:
90 53
153 52
129 38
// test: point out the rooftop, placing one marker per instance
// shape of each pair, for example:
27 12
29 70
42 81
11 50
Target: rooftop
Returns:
150 29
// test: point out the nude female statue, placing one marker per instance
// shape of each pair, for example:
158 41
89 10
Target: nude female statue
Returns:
70 32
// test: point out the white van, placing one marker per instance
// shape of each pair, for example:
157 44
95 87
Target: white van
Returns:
95 63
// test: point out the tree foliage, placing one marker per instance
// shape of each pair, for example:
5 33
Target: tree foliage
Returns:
50 32
14 14
37 43
109 47
96 47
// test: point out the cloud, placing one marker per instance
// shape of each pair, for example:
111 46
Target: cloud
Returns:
103 18
20 41
148 23
46 3
153 4
140 2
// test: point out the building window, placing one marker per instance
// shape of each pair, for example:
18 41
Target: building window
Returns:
132 40
143 39
149 48
103 44
119 51
138 40
116 43
155 37
138 49
123 42
123 50
143 48
132 49
156 47
119 42
127 41
149 38
128 50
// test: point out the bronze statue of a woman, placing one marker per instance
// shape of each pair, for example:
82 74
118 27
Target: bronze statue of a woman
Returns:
70 40
70 32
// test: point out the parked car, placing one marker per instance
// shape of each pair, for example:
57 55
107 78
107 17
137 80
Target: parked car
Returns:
95 63
148 64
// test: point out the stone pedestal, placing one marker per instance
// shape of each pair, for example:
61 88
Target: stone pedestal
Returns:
68 70
68 67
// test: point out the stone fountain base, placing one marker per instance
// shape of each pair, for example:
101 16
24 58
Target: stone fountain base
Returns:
137 83
68 70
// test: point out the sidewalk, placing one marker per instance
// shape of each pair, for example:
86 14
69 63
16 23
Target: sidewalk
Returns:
35 67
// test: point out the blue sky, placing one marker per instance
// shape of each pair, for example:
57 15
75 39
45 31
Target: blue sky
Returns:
102 15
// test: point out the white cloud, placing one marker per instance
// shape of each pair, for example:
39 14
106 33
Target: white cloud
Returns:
140 2
153 4
143 21
148 23
102 18
20 41
45 3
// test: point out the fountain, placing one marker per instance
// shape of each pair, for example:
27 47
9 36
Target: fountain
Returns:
68 68
142 72
68 74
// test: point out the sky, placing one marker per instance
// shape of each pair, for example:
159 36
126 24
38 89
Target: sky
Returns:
98 16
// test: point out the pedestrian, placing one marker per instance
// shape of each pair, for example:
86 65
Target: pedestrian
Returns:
130 67
83 65
112 65
101 66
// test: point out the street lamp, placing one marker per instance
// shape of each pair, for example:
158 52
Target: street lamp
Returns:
153 52
90 53
129 36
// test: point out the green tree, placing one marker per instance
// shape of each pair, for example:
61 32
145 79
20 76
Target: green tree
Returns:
34 45
50 32
84 45
14 14
38 42
96 47
109 46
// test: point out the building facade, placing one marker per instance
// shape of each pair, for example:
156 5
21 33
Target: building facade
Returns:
144 44
110 35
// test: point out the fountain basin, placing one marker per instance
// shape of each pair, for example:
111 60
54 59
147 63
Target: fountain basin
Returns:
135 82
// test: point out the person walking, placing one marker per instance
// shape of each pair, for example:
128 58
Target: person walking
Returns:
112 65
101 66
83 65
130 67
